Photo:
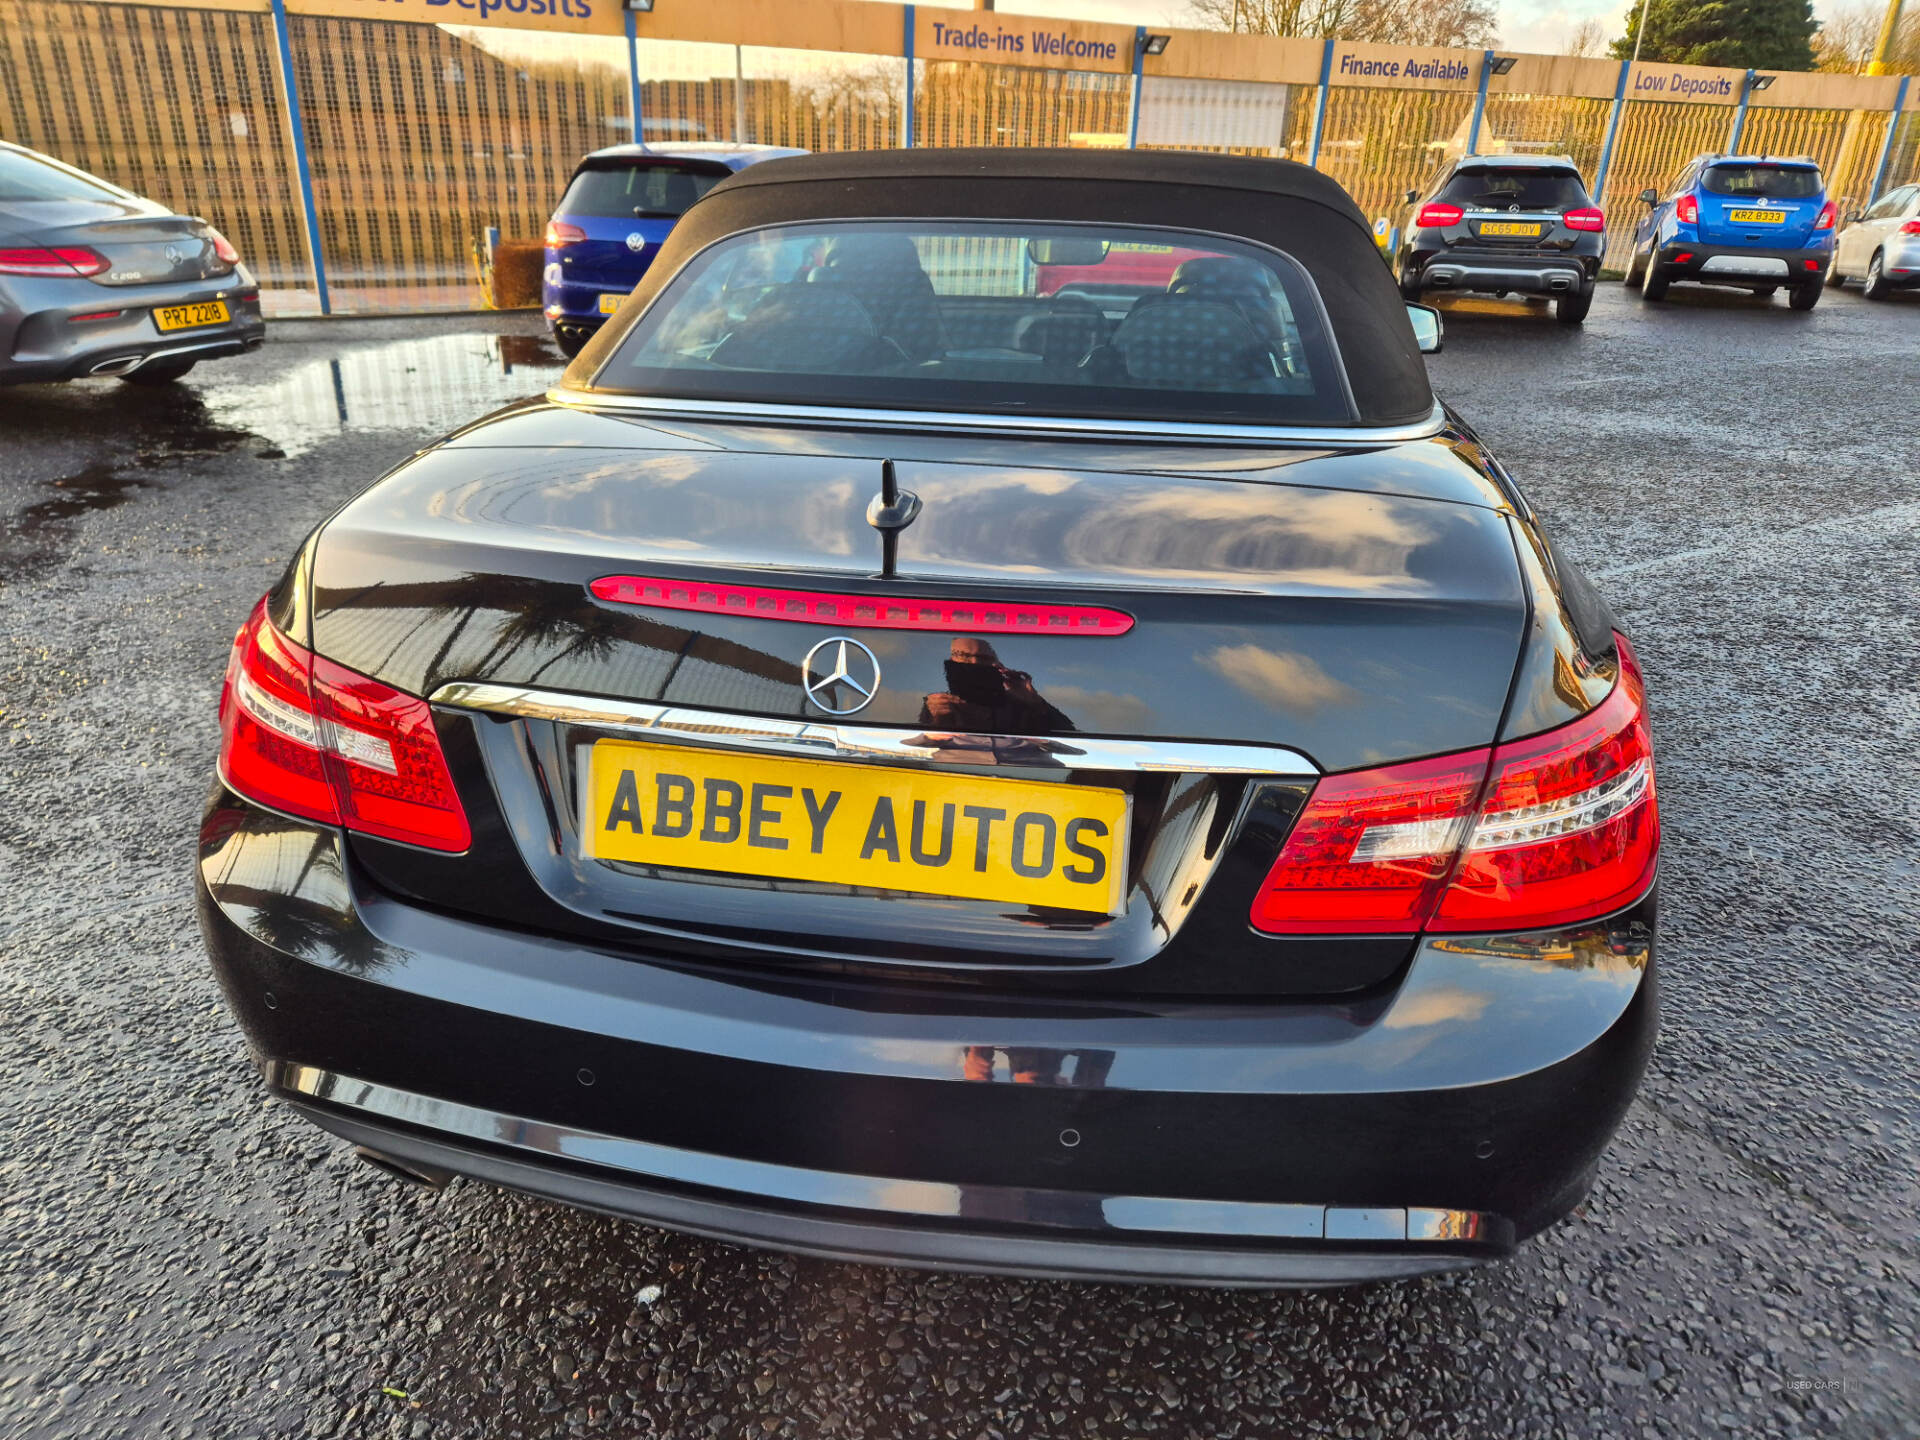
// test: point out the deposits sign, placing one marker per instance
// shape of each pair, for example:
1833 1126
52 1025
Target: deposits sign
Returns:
576 17
1693 84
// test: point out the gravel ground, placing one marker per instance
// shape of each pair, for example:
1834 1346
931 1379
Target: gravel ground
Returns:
182 1258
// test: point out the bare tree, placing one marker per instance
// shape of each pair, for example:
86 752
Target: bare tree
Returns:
1315 19
1847 37
1398 22
1588 38
1427 22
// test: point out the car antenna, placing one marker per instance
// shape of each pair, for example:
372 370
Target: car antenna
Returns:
890 512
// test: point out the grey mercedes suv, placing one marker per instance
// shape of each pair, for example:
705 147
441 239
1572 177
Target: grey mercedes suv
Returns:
95 280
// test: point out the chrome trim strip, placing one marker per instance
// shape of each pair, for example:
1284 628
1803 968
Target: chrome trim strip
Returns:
827 741
764 1180
1332 437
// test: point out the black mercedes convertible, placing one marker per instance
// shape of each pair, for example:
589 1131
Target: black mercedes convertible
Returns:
991 721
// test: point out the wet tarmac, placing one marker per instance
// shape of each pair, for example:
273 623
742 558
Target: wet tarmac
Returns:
179 1257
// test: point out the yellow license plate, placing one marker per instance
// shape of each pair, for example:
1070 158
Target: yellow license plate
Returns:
190 317
976 837
1757 217
1509 227
610 303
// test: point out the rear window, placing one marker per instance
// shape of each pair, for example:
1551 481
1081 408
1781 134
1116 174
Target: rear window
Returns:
1770 182
23 178
1071 320
1505 189
657 190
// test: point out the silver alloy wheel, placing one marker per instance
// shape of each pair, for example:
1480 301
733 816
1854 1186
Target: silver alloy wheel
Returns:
1874 287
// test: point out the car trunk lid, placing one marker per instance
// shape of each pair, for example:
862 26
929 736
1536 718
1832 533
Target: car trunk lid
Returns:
143 245
1295 626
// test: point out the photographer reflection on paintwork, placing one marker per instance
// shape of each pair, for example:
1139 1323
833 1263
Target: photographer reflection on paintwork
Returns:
985 697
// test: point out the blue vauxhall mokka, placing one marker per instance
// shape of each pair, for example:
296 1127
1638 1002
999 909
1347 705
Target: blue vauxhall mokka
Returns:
618 208
1754 222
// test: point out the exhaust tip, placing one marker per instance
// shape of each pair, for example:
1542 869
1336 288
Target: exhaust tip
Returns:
405 1170
119 365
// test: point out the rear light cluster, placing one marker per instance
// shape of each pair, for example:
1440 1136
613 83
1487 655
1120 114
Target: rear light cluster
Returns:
1435 217
57 260
1687 210
303 735
1912 227
559 235
1550 830
223 248
871 611
1586 218
1828 217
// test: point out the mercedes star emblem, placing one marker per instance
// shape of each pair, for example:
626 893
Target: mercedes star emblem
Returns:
636 242
855 675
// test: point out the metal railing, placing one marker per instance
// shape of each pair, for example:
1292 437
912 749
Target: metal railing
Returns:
415 134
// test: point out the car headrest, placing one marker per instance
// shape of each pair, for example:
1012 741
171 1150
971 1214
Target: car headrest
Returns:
799 327
1219 272
1190 345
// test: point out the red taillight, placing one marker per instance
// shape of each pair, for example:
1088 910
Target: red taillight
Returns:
1687 210
301 734
1439 216
1586 219
871 611
1568 831
1685 257
54 260
223 248
1570 827
1371 848
270 747
95 315
1828 217
559 234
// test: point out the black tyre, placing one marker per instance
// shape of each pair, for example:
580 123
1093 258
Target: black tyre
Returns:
1634 272
1409 287
1572 309
1654 283
1835 280
1807 293
1875 286
158 372
571 342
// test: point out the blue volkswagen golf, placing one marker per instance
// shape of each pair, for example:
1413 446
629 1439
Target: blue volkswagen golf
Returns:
619 206
1755 222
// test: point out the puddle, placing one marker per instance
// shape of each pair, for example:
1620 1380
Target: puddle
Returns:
430 385
166 425
100 486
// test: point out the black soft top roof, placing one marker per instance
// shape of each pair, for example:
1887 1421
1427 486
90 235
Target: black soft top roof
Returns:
1276 203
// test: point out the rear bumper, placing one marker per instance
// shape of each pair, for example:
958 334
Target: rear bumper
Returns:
1900 264
1258 1144
42 341
1558 274
1733 265
569 299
